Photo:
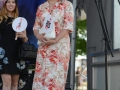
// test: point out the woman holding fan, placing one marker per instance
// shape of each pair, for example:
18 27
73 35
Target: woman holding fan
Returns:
9 60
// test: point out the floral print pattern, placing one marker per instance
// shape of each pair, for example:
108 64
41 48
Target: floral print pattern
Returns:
52 60
18 65
5 60
22 83
22 65
2 52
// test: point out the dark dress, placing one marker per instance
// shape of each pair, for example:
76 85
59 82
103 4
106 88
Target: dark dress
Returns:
9 61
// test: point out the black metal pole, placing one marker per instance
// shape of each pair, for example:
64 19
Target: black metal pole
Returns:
103 24
104 21
106 75
106 37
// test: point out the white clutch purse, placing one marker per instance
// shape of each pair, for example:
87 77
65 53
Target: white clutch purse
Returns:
48 28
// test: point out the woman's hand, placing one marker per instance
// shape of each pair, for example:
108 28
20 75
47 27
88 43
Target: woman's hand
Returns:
40 36
20 34
47 41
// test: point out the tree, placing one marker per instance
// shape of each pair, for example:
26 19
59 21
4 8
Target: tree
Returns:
81 37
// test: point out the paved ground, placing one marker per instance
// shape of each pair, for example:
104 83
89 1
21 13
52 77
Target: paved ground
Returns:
82 87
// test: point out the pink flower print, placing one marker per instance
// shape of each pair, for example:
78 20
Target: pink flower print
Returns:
39 13
38 67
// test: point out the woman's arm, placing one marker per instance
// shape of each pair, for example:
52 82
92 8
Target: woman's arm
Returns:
37 35
25 38
62 34
22 35
37 24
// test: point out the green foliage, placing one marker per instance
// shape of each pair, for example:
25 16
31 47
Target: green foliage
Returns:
81 37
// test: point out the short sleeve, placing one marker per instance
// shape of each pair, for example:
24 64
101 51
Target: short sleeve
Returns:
37 24
68 16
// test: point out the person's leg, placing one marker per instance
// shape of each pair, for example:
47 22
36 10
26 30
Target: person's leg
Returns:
14 83
6 79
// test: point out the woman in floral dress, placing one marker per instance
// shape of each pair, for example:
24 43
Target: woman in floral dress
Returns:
53 54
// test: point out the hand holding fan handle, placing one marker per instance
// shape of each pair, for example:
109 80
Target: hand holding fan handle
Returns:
16 37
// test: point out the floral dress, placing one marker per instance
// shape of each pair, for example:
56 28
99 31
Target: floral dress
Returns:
9 60
52 60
